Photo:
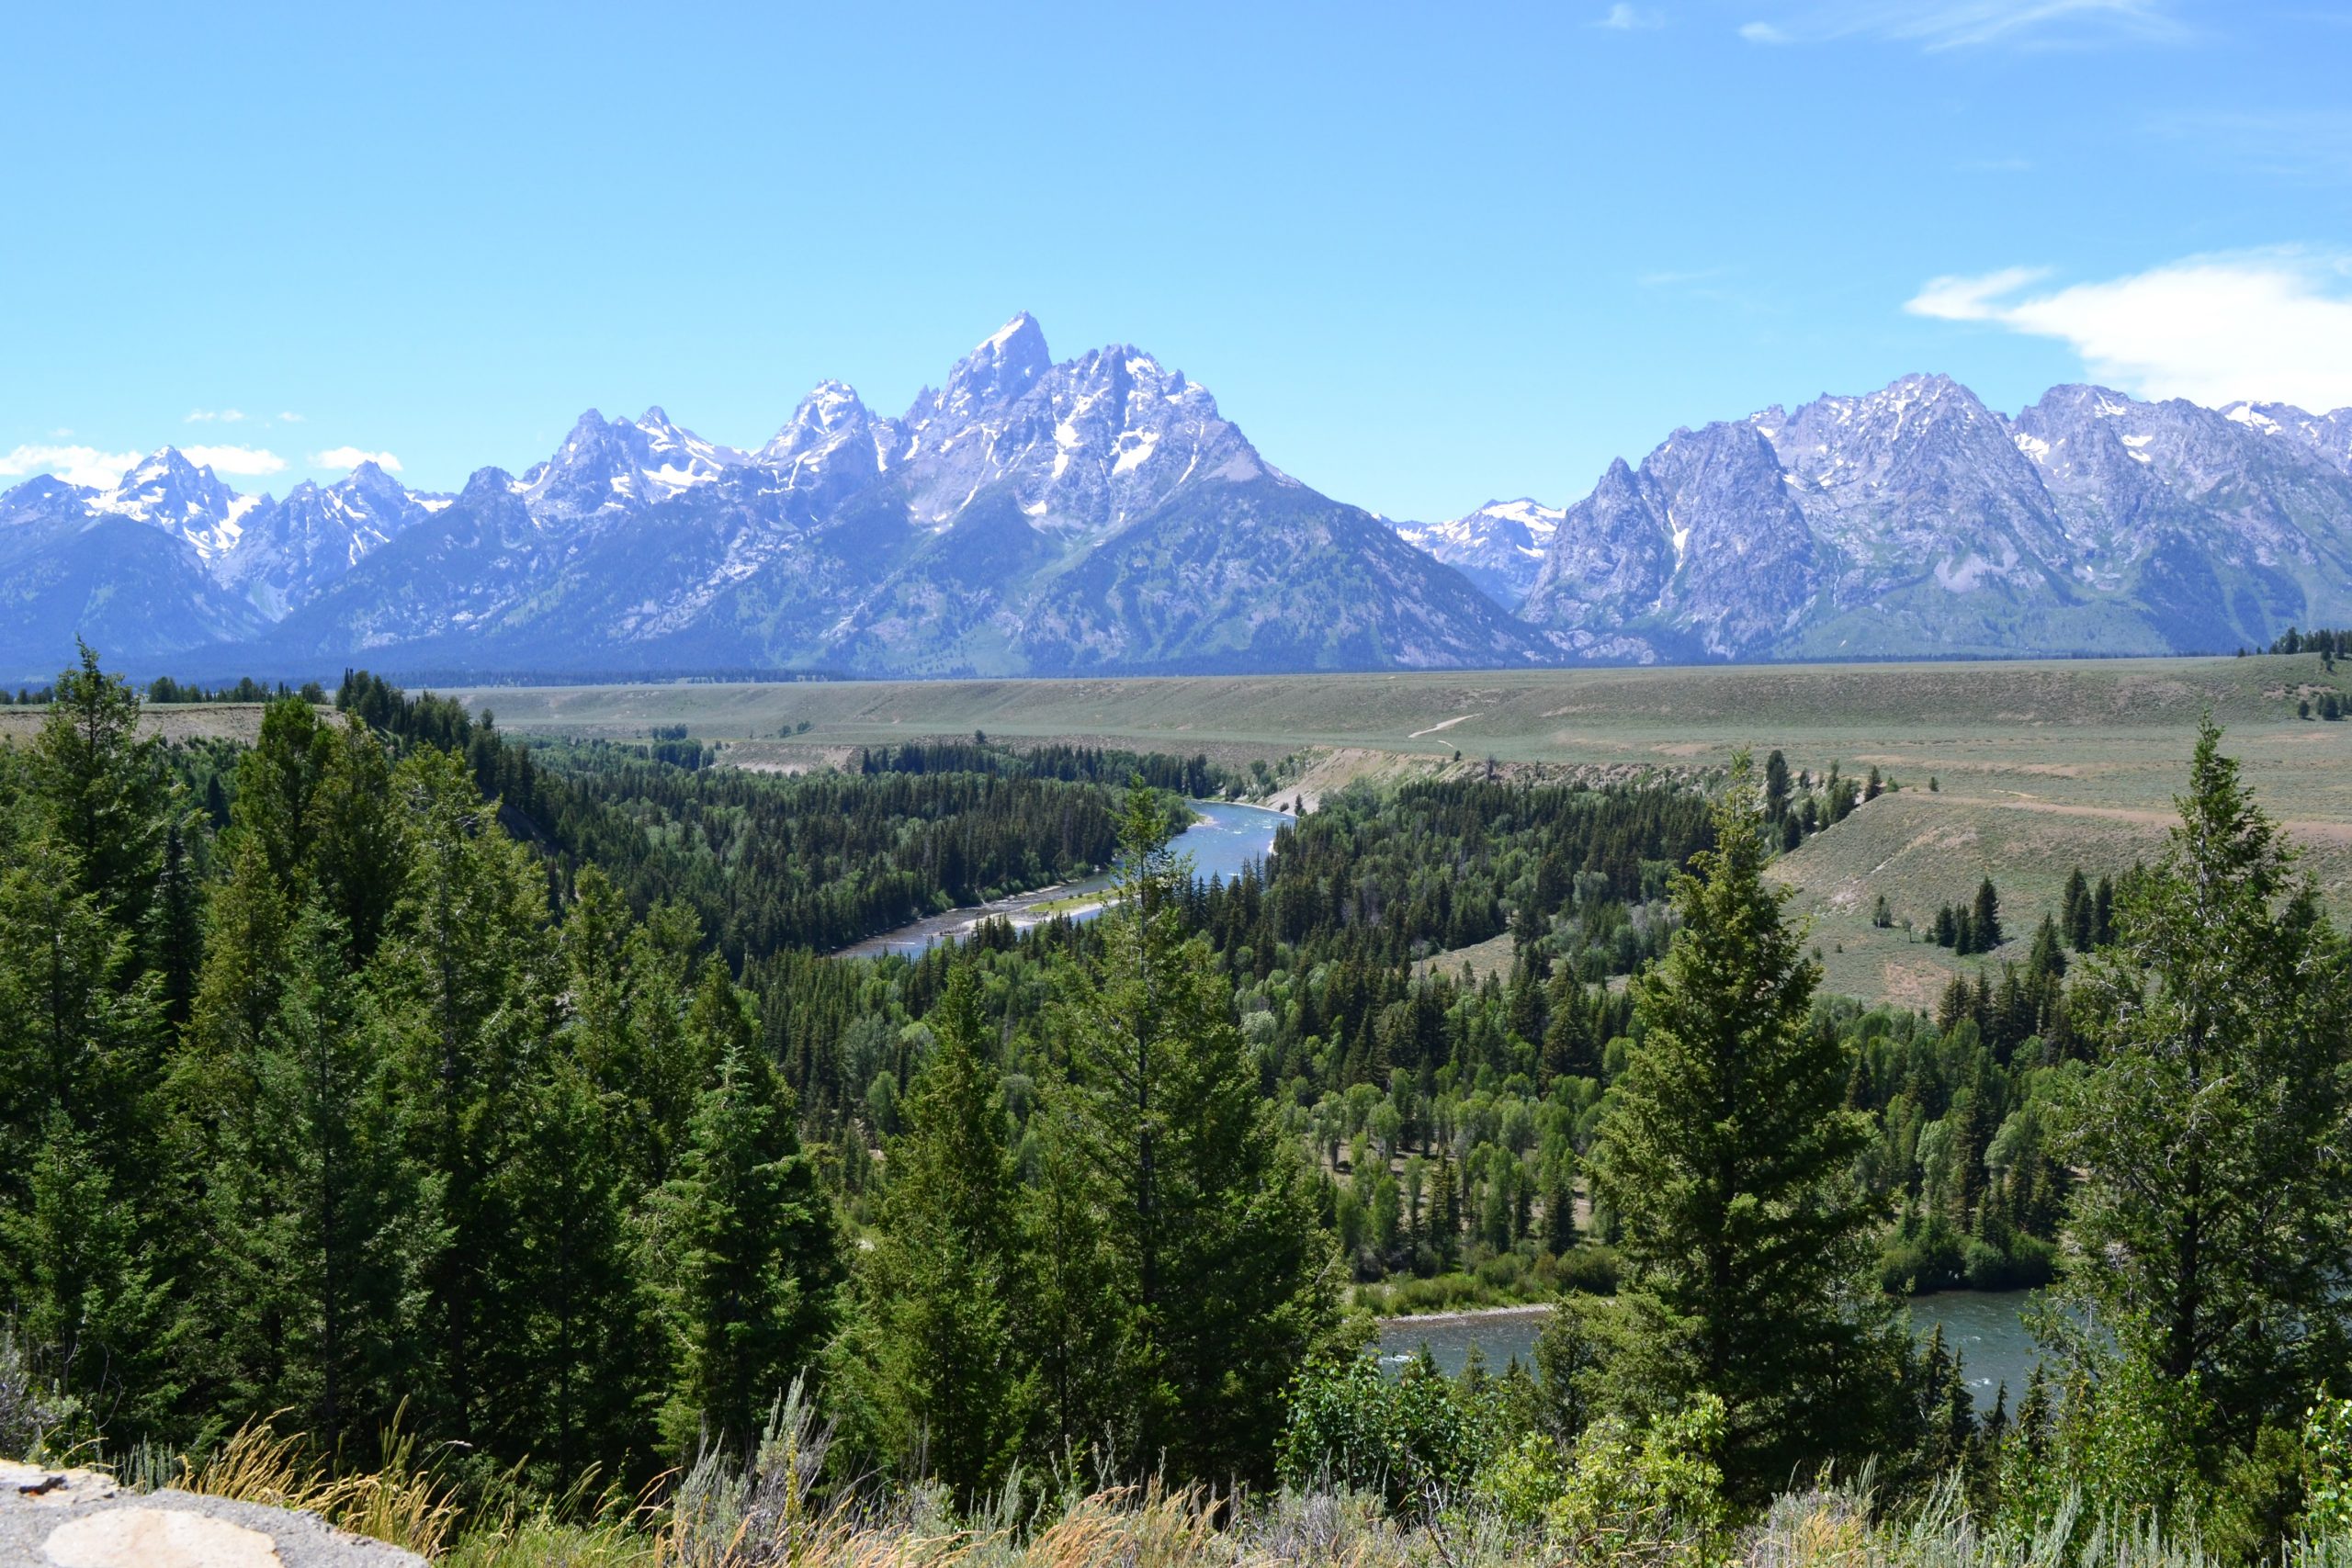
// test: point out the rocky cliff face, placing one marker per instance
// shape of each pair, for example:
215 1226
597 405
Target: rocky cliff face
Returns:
1916 521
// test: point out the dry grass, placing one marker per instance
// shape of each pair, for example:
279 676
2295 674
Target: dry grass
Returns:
397 1503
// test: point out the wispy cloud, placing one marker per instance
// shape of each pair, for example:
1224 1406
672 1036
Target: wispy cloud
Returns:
1963 23
289 418
215 417
74 465
2264 326
247 462
352 456
1624 18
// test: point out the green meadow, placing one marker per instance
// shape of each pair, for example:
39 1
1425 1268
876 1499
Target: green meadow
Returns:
2039 766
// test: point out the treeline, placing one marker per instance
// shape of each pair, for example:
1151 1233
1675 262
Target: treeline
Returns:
163 689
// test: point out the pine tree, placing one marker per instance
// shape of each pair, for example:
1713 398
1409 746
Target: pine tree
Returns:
2213 1121
81 1280
1726 1156
1077 1318
749 1253
102 791
354 850
463 987
1226 1273
1985 918
2076 911
302 1295
929 1364
580 1370
1776 787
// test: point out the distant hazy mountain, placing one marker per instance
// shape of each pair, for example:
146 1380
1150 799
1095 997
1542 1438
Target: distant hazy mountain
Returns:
1501 546
1916 521
1100 515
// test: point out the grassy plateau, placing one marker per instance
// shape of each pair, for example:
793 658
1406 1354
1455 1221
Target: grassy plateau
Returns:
2040 765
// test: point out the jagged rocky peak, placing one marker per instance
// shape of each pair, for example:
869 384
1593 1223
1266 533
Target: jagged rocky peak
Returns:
168 491
621 466
831 412
1501 546
1006 364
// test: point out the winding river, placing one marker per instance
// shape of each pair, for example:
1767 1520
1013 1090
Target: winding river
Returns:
1984 1326
1222 840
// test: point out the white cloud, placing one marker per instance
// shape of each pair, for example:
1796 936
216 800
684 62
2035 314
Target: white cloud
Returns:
74 465
1625 19
290 418
352 456
247 462
1960 24
209 416
2262 325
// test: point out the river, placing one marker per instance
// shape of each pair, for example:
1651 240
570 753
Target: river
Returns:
1222 840
1984 1326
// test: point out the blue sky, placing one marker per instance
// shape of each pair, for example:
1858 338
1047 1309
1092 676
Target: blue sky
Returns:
1422 254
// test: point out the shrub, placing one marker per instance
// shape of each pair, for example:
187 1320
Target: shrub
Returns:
1410 1439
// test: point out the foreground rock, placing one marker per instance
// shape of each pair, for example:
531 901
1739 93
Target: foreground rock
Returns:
79 1519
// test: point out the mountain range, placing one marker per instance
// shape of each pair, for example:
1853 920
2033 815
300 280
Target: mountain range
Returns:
1100 514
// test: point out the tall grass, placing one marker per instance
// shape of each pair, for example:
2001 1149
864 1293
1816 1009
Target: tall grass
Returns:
398 1502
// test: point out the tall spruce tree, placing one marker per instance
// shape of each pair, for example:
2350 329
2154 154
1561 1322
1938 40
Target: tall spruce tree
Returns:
1229 1280
580 1369
313 1220
929 1363
462 982
1726 1153
749 1251
2211 1228
102 791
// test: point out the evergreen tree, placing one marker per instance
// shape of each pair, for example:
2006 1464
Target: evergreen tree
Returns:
580 1370
1776 787
1226 1275
179 922
1985 920
2213 1121
102 791
462 985
353 846
1725 1154
749 1252
2076 911
929 1364
312 1222
81 1282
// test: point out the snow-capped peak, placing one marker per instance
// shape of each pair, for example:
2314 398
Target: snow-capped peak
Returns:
1501 546
166 490
1006 364
621 466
